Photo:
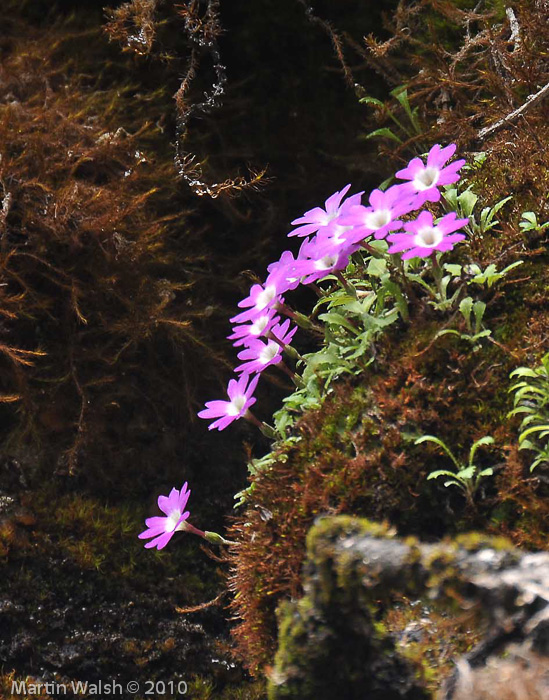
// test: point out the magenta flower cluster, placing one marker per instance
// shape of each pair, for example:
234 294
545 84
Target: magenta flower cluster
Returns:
330 236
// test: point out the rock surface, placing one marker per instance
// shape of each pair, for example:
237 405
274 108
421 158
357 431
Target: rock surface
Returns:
331 643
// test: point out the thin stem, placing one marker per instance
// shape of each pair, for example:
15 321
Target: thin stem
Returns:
371 250
301 320
187 527
265 428
318 291
437 274
293 376
346 284
249 416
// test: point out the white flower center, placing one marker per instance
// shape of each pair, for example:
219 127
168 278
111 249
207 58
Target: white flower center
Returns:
336 238
259 326
426 178
329 217
269 352
265 297
377 219
326 262
171 520
428 237
236 405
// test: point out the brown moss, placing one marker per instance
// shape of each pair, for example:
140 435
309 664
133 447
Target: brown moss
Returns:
370 468
467 68
356 455
101 273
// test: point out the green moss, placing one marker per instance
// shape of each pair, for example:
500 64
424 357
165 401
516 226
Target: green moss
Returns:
331 638
475 541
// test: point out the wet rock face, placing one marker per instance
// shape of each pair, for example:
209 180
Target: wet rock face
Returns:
62 622
521 677
330 644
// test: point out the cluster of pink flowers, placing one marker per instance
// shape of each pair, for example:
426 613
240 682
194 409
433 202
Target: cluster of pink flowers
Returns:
330 236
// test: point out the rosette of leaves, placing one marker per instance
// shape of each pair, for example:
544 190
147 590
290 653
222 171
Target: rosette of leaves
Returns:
467 477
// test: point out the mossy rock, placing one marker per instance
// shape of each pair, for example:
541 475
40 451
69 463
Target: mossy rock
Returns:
339 636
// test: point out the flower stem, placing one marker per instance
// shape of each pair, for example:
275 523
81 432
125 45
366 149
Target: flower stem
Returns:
264 427
293 376
249 416
301 320
372 251
437 274
187 527
214 538
347 286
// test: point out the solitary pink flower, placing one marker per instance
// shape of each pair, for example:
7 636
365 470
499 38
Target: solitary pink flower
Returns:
315 219
424 237
425 179
162 528
240 395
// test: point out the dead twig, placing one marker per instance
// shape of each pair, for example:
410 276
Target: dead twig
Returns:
531 100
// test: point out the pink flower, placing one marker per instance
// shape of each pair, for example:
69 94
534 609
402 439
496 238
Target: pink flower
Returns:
321 256
426 179
262 354
315 219
162 529
281 273
243 334
424 237
241 399
381 216
261 297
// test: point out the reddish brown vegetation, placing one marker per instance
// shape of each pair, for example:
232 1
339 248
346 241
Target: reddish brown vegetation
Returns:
135 24
354 455
99 269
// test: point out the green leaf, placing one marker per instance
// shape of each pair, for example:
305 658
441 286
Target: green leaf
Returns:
478 336
486 440
466 474
338 320
437 441
530 431
450 194
440 472
371 101
465 307
479 307
385 184
385 132
377 267
454 270
448 331
500 204
467 201
401 94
